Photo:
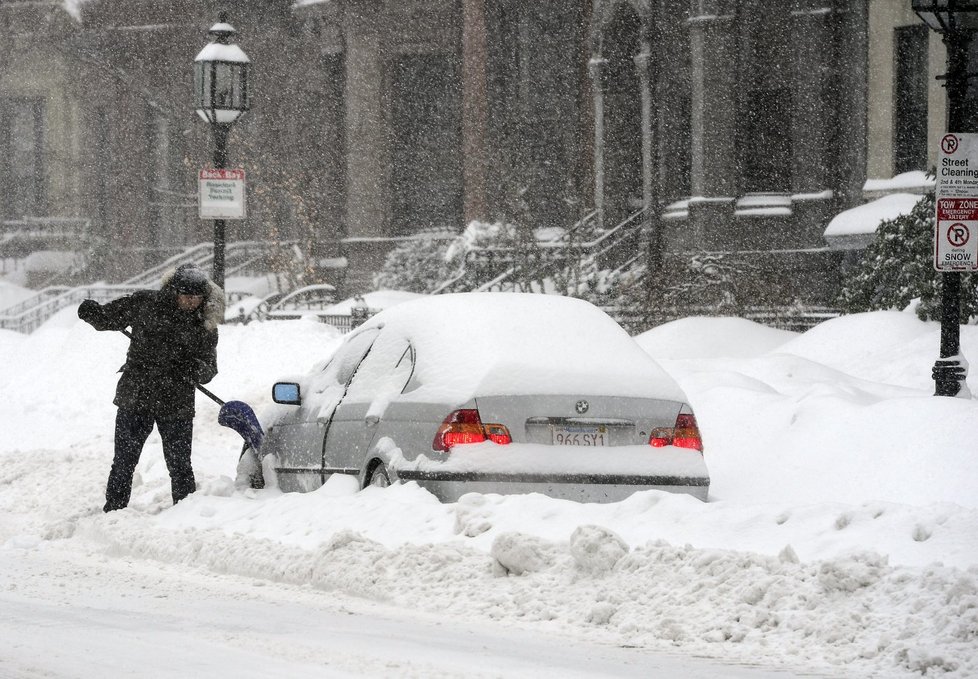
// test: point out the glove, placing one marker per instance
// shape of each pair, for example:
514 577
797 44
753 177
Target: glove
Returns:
204 372
89 310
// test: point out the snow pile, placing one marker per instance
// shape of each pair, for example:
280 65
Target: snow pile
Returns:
378 299
842 535
702 337
864 219
74 8
916 181
12 294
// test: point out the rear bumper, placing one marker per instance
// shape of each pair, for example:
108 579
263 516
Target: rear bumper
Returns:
450 486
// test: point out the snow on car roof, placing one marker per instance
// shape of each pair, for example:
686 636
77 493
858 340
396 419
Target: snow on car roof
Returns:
483 344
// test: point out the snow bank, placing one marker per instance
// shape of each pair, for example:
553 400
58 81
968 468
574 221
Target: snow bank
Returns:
378 299
842 535
702 337
11 294
864 219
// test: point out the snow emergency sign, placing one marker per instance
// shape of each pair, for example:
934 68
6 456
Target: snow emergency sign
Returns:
956 227
222 194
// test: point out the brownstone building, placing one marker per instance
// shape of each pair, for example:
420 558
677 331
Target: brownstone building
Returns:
734 126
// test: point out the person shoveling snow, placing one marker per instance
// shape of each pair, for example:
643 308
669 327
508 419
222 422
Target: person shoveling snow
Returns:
173 350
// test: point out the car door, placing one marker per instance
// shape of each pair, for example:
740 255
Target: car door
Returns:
301 436
380 378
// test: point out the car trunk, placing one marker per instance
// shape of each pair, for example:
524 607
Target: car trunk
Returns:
587 420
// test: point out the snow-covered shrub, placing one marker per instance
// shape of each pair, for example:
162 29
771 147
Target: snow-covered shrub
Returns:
710 284
502 246
898 268
419 264
480 235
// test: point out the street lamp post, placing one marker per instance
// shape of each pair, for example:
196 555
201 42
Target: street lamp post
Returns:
221 96
957 22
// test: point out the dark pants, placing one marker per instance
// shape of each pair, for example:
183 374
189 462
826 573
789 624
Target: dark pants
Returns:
131 431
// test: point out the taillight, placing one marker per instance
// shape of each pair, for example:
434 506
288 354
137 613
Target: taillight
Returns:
465 426
685 434
498 433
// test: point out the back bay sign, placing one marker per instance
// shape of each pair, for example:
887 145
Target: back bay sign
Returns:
956 229
221 194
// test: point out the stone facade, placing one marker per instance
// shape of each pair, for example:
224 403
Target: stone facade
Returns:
739 126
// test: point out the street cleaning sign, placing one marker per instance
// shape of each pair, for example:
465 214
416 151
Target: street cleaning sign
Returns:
956 230
222 194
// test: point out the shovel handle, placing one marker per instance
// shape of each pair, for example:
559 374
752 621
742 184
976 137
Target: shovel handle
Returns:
209 394
206 392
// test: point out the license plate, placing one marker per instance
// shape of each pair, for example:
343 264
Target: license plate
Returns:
580 435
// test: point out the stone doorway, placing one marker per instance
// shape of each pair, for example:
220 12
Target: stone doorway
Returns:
426 177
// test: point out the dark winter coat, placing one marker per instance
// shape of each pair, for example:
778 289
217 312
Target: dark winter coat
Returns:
170 349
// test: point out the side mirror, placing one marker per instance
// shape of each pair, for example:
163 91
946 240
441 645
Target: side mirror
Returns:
287 393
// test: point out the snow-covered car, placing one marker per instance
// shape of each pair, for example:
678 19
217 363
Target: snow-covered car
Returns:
491 393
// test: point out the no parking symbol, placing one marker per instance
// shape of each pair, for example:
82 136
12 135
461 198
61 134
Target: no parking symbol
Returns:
958 234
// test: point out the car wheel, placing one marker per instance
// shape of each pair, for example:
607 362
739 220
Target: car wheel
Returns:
379 477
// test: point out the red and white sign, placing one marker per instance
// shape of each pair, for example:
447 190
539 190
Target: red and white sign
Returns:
956 229
956 240
221 194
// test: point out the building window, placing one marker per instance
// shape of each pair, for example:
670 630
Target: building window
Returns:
910 99
23 157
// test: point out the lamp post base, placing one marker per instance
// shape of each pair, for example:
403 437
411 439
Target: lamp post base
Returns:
949 377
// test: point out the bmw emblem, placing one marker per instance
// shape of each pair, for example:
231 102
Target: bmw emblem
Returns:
581 407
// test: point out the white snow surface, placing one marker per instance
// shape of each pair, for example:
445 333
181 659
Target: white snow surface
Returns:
917 179
218 52
377 299
491 344
865 219
12 294
841 537
73 7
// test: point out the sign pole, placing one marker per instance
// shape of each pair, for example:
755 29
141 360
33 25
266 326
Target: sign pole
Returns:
950 371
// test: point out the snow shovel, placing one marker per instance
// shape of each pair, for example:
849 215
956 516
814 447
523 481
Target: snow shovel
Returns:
236 415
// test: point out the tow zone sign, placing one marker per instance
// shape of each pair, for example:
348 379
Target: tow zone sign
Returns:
956 230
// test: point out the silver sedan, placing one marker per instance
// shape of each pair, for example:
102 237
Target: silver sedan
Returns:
489 393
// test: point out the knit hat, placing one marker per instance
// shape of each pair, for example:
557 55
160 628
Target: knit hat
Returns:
189 280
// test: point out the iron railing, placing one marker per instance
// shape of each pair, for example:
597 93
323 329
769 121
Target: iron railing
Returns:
32 318
500 268
31 313
44 229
